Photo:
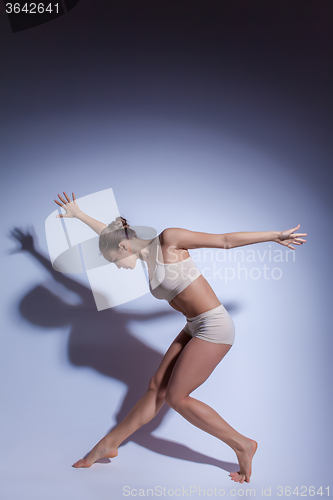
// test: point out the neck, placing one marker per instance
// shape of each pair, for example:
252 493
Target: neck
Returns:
142 248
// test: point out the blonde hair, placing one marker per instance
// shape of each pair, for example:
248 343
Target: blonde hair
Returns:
114 233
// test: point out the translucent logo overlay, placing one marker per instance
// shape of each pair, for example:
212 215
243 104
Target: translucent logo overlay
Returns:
73 248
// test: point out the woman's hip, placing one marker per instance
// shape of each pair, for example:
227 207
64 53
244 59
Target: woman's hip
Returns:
215 325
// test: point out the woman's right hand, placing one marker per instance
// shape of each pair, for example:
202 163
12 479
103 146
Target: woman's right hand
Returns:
71 207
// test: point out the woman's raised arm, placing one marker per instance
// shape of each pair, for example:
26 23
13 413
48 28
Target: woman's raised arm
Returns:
72 209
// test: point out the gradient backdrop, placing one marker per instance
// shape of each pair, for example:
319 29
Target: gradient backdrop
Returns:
214 116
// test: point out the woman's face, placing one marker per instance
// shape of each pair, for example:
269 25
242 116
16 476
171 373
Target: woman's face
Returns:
123 258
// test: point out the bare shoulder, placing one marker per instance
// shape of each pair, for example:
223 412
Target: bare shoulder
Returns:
185 239
172 249
171 236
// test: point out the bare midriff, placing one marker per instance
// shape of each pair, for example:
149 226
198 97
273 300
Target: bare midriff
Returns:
197 298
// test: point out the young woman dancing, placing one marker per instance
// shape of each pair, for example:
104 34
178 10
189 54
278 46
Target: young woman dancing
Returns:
203 342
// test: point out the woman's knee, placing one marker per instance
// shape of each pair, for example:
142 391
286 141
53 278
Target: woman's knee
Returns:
173 399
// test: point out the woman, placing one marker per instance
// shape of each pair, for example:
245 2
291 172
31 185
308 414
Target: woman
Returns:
204 341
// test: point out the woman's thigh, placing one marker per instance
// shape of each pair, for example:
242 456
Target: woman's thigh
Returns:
160 379
194 365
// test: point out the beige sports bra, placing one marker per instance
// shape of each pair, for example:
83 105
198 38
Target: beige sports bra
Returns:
168 280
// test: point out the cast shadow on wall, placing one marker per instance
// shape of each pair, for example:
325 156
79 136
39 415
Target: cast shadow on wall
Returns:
102 340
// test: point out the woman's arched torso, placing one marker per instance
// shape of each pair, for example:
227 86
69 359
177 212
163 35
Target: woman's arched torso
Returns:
198 297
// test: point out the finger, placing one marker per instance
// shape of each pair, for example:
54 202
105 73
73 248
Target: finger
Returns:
289 246
19 232
12 234
62 199
73 196
67 197
60 204
293 229
300 239
300 234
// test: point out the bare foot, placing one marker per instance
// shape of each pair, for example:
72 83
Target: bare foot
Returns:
103 449
245 462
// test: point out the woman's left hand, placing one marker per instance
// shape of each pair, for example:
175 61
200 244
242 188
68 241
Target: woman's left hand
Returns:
288 237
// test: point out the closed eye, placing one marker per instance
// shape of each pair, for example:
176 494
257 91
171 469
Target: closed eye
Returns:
111 261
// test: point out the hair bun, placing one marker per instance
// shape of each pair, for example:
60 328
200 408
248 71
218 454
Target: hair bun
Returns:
119 223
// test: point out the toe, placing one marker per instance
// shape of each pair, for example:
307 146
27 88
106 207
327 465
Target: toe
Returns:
80 463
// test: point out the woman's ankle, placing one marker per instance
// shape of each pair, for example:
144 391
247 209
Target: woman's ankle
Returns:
240 444
111 441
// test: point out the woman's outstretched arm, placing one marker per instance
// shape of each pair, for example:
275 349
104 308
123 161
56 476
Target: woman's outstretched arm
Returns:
285 238
73 210
183 238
